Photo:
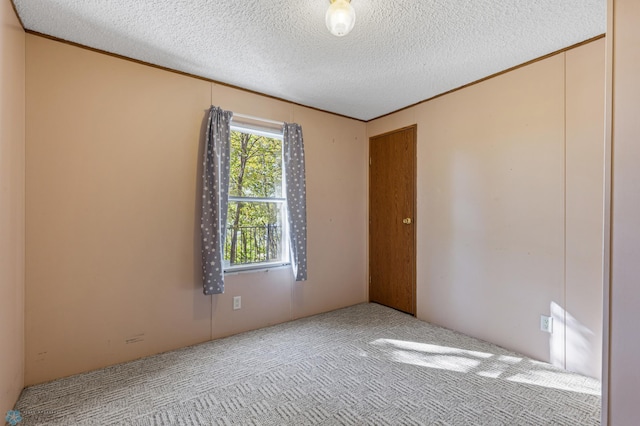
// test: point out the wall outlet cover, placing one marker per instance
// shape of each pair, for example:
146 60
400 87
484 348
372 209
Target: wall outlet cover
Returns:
546 323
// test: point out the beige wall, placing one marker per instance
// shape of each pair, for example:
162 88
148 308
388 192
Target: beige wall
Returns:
623 343
112 266
500 172
584 174
12 139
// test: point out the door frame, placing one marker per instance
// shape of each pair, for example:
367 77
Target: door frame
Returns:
414 179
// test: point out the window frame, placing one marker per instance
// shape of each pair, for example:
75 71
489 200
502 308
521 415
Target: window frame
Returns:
252 129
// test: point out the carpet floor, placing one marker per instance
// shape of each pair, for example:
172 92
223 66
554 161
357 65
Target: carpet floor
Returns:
362 365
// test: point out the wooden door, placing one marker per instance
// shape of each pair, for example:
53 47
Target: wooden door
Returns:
392 236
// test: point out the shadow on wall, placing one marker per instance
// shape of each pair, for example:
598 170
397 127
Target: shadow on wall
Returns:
571 337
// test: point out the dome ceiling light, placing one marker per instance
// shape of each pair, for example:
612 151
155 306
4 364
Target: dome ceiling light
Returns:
340 17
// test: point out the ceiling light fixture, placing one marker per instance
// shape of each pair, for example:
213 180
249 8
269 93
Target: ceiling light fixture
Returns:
340 17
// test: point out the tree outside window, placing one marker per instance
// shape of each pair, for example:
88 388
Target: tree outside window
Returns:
256 225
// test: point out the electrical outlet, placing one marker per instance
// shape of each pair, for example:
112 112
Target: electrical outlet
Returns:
237 302
546 323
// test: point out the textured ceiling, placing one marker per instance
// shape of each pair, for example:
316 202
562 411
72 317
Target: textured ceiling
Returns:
399 52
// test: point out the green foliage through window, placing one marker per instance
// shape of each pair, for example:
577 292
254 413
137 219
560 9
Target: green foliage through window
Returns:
256 209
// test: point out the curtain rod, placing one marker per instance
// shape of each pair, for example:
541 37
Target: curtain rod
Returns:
264 120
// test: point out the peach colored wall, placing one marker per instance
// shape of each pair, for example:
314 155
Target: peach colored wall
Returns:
337 170
110 212
584 172
112 265
12 165
491 205
490 190
623 132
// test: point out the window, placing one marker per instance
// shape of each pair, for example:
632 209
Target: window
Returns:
256 234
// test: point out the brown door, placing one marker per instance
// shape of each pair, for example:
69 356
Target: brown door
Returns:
392 236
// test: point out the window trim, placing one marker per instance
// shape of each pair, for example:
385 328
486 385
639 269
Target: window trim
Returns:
252 129
256 267
271 133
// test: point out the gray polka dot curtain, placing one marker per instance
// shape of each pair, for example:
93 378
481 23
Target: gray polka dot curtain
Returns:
296 197
215 191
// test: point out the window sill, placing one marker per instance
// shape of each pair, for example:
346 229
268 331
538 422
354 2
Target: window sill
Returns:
260 267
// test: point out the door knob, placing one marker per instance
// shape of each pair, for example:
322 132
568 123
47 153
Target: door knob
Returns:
406 221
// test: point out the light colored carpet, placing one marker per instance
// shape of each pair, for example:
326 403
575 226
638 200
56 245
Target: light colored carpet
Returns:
366 364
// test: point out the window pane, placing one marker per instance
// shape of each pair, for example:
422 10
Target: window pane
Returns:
254 233
256 166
